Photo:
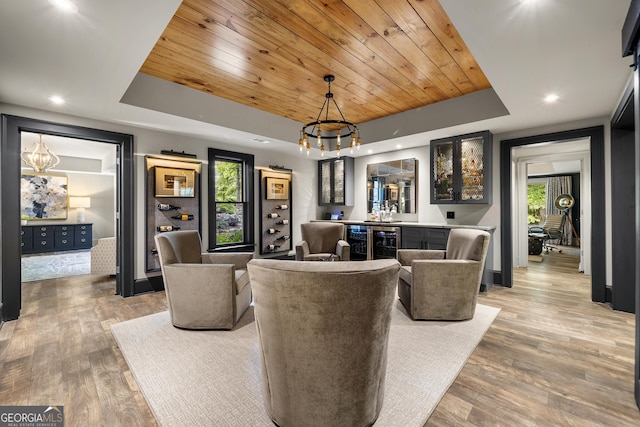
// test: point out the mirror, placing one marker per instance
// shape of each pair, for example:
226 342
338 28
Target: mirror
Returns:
392 184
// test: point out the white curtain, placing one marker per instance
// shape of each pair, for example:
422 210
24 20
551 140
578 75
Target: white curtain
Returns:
557 185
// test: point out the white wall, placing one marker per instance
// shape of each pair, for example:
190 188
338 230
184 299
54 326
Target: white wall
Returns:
146 141
305 176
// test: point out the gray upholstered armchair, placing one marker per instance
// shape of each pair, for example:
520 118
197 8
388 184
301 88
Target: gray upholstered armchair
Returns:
444 284
323 330
204 290
320 240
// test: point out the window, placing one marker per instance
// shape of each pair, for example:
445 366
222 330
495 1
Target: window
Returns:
537 200
230 201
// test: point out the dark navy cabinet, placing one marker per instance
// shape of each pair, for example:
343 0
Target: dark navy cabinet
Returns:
51 238
82 236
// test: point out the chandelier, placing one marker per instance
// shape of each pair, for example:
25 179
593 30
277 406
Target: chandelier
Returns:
39 157
335 129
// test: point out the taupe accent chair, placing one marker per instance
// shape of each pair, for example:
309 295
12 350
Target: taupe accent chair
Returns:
323 330
321 240
204 290
444 284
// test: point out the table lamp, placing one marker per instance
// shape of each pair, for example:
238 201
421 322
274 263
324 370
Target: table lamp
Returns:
80 203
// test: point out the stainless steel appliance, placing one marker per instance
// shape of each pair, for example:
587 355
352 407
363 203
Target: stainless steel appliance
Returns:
385 241
372 241
358 238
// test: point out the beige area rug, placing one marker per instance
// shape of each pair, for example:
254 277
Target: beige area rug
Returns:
212 378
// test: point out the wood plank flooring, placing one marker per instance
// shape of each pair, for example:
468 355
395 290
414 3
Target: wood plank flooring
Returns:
551 358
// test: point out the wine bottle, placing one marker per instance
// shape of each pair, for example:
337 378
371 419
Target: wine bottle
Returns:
154 251
284 237
273 215
272 231
163 228
284 222
283 207
272 248
167 207
183 217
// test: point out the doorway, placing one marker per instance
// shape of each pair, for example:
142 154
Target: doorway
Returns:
12 127
568 159
595 135
88 169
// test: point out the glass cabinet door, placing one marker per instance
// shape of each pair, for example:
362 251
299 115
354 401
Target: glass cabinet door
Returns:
338 182
325 180
443 177
471 153
335 181
461 169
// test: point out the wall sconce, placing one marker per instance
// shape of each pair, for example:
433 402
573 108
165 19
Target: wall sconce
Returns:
80 203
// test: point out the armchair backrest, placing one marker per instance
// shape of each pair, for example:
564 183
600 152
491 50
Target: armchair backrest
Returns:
323 329
322 237
468 244
553 226
179 247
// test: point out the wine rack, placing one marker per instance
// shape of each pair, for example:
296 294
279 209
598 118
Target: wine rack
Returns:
275 214
166 214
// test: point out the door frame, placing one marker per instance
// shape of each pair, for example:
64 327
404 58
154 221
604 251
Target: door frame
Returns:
10 147
598 234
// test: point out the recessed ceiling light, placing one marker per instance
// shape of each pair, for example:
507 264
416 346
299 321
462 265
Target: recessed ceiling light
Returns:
263 141
552 97
369 151
399 146
58 100
65 5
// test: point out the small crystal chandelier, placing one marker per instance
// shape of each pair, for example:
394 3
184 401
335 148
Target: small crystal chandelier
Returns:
337 129
39 157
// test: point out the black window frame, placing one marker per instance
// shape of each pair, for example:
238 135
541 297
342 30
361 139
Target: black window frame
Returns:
247 161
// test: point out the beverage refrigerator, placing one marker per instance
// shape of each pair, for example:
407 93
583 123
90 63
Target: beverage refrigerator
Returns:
372 241
385 241
358 238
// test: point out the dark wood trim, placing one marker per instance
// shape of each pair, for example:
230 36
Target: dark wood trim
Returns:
598 262
631 29
248 182
12 126
623 206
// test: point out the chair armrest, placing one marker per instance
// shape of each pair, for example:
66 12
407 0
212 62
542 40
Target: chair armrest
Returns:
302 250
406 256
238 259
343 250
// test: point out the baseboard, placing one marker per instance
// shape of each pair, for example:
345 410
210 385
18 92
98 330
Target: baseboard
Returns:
148 284
496 280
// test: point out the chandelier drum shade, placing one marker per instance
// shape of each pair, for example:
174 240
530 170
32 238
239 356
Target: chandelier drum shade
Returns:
39 157
325 129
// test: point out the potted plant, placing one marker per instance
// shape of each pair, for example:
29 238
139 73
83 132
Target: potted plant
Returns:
24 219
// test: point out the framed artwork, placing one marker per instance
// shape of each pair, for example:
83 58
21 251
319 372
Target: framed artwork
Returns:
277 189
43 196
173 182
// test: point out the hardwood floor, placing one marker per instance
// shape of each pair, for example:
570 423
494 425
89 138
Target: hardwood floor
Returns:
552 357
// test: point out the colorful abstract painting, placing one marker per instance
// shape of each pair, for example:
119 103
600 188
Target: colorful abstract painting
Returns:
43 197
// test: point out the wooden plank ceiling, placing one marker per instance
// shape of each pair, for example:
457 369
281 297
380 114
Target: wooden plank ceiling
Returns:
388 56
